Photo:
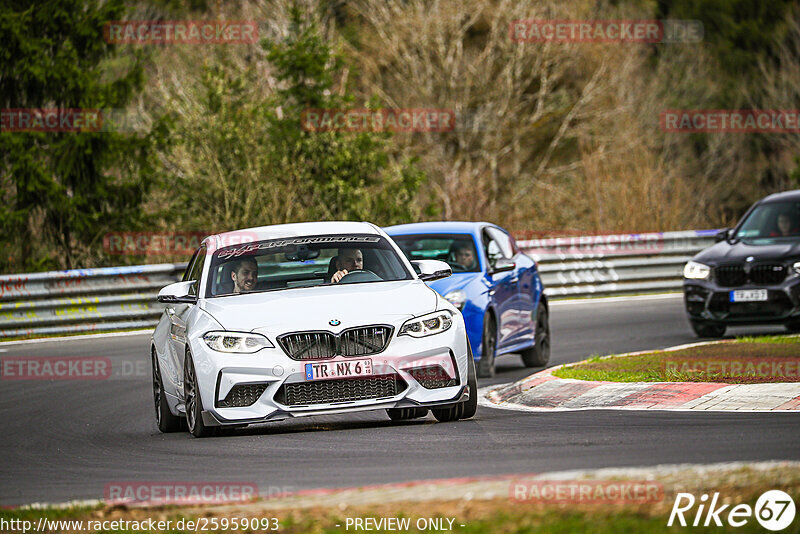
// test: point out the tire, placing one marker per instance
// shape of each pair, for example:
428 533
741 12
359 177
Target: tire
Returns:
488 347
539 354
165 421
192 401
466 409
403 414
708 329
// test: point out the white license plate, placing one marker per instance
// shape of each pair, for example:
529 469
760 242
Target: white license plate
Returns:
749 295
340 369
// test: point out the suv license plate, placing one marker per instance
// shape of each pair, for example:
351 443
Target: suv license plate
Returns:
748 295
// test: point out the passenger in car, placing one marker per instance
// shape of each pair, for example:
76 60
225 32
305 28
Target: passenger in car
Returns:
348 260
244 275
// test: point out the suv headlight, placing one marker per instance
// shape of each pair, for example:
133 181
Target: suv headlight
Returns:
796 267
696 271
457 298
237 342
427 325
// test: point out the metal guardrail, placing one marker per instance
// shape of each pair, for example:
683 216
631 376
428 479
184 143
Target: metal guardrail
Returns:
586 266
83 300
117 298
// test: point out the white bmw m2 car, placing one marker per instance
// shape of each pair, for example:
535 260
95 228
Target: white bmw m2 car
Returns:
307 319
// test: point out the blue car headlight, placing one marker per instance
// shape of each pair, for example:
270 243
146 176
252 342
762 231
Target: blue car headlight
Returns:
237 342
427 325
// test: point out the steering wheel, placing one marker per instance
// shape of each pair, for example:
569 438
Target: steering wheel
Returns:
360 275
457 267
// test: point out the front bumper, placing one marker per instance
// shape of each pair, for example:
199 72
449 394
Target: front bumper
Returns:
706 301
278 389
212 418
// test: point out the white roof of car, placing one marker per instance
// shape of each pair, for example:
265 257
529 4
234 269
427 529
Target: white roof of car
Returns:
277 231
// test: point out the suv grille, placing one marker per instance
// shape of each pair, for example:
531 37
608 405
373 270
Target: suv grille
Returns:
772 273
731 275
360 341
344 390
242 395
735 275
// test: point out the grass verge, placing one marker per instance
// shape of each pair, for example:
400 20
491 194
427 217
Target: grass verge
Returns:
745 360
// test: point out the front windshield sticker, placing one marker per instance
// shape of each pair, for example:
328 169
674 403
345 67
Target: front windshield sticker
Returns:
276 243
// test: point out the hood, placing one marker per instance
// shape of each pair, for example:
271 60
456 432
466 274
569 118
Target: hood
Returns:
458 281
311 308
763 249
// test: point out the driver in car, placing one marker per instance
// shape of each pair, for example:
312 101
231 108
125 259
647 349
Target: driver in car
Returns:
784 226
349 259
464 256
244 275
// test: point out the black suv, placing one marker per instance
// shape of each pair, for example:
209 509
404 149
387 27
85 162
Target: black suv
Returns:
752 275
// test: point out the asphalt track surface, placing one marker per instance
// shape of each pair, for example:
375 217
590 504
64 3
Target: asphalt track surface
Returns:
65 440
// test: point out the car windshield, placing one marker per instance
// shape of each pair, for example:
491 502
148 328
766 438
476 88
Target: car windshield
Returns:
771 222
458 250
307 261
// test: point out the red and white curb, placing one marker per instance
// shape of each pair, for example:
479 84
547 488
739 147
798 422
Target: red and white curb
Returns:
544 392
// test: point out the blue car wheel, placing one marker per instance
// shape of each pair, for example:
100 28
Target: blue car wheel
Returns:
539 354
489 345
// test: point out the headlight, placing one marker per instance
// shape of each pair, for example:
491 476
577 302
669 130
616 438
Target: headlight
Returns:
237 342
427 325
796 267
696 271
457 298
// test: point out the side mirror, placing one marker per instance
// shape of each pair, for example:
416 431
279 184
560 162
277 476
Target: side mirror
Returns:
431 269
502 265
177 293
722 235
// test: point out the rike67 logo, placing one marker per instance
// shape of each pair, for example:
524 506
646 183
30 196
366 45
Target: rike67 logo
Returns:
774 510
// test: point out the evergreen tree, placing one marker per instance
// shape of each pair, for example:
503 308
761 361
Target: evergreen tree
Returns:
63 190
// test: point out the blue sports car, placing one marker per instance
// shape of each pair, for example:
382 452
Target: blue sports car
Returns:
496 287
